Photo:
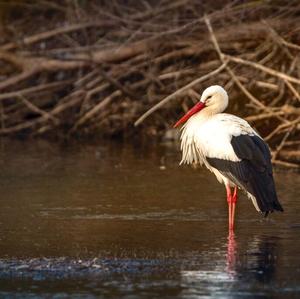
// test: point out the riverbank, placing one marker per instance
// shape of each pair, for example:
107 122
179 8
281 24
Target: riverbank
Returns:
93 70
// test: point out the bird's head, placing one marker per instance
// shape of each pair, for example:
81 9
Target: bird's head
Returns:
214 99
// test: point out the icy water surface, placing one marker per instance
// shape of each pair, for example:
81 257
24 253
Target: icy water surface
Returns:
125 221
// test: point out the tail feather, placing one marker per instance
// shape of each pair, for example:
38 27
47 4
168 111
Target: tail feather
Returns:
262 188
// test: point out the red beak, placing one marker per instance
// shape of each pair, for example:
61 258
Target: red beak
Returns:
198 107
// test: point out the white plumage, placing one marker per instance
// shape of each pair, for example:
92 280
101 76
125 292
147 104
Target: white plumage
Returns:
211 136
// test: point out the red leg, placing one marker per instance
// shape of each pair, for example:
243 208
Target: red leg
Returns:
229 201
233 203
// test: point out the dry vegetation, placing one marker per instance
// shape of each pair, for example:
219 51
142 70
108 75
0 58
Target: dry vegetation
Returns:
94 67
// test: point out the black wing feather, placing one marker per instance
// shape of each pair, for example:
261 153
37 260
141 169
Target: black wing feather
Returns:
253 173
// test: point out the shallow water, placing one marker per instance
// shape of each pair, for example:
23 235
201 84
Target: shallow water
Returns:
112 220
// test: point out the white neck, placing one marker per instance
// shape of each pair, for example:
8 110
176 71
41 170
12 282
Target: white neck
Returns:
205 114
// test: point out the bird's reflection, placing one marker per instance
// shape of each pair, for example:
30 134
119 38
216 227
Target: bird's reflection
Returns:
256 260
261 259
231 254
245 264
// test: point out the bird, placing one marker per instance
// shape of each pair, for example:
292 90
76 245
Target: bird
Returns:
231 149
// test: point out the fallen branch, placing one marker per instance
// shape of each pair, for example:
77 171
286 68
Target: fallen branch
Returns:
263 69
179 92
81 76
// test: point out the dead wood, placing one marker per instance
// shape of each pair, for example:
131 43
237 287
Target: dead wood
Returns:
146 63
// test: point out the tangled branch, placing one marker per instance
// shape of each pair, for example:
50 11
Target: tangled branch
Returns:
103 69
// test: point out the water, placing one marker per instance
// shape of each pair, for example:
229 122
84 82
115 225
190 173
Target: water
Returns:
112 220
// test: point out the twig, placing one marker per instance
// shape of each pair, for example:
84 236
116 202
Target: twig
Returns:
34 89
280 39
285 164
48 34
292 89
264 116
281 127
75 99
17 78
264 69
290 154
113 82
282 143
37 110
95 110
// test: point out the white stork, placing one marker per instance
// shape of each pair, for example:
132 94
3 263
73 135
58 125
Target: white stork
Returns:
231 149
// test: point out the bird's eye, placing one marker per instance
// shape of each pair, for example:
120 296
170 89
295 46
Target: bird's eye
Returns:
208 98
